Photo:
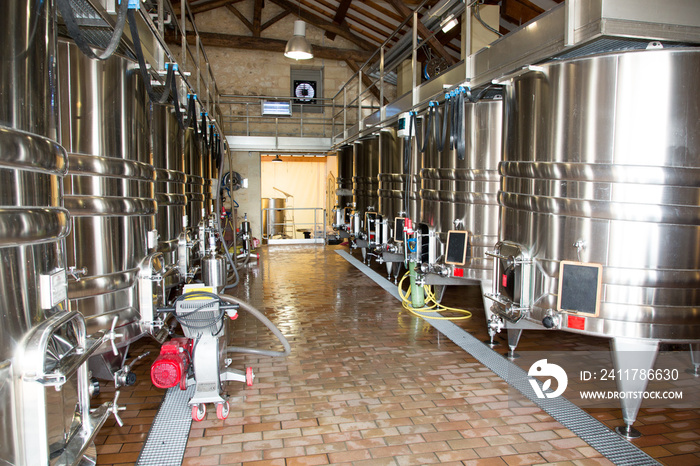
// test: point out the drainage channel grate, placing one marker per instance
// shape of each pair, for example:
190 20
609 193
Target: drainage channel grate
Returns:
165 445
590 430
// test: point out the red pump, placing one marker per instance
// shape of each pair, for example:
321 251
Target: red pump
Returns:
172 364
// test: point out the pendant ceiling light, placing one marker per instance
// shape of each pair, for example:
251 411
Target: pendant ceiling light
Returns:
277 159
298 47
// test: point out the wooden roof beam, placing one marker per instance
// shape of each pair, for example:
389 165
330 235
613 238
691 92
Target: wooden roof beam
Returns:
243 19
519 11
325 25
211 39
339 17
257 17
272 21
201 7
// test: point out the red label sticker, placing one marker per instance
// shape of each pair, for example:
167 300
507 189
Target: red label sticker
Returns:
504 281
576 322
458 272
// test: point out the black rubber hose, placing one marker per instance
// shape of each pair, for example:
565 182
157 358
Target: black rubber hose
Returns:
459 134
261 317
176 101
192 116
479 95
163 97
204 127
428 128
76 33
453 122
445 118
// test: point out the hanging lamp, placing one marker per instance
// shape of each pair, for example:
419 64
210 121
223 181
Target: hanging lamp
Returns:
298 47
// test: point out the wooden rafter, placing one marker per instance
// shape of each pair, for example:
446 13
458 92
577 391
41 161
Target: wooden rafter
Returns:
384 11
325 24
257 17
242 17
317 6
424 32
519 11
272 21
201 6
211 39
339 16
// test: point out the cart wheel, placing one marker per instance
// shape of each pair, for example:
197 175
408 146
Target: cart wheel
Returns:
183 382
222 410
249 376
199 412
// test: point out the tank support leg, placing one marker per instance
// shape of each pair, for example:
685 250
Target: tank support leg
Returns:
389 268
364 255
632 356
695 359
439 292
514 335
397 272
491 318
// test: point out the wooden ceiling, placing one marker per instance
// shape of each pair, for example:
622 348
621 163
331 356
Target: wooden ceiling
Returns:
364 23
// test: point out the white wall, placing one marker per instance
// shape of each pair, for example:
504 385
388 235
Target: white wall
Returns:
305 181
248 199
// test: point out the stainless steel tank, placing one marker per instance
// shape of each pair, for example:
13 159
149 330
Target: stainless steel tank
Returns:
600 214
110 194
390 184
344 192
430 208
169 163
396 166
365 170
194 169
273 220
460 188
615 170
45 418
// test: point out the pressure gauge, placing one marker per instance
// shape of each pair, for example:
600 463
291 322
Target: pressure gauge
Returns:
304 91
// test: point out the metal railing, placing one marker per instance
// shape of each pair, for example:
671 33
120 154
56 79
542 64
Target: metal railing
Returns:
243 116
193 63
294 229
375 84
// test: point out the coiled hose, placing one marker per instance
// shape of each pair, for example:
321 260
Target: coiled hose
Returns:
434 306
261 317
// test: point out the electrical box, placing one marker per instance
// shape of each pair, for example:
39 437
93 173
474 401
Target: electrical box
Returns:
404 125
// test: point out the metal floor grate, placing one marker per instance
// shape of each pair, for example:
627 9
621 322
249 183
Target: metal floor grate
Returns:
166 442
590 430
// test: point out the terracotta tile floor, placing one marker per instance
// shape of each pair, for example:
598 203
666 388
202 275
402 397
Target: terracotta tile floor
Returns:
366 383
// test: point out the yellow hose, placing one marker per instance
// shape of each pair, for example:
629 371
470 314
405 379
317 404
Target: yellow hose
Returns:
434 306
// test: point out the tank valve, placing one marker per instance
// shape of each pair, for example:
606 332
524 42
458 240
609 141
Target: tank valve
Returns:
494 325
550 321
76 272
94 387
